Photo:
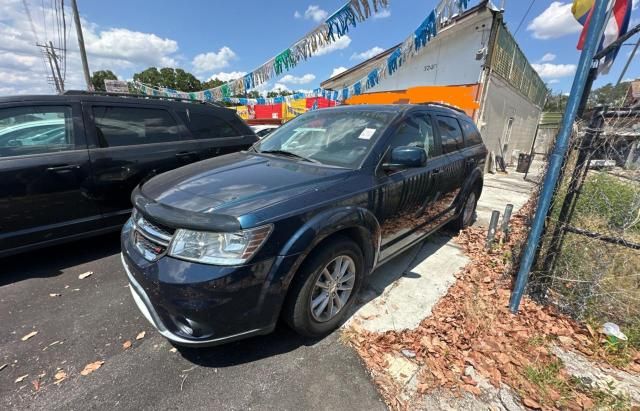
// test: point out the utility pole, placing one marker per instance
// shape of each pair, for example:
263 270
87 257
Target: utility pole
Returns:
83 53
54 57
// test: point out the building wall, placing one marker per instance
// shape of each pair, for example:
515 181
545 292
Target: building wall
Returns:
448 59
502 103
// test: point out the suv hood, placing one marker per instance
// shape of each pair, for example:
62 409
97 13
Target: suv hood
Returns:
237 184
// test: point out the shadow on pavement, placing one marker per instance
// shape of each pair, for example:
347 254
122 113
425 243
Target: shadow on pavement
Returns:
51 261
284 340
400 266
281 341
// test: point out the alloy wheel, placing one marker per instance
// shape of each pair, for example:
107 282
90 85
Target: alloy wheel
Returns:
333 288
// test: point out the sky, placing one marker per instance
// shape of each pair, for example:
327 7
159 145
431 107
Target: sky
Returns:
226 39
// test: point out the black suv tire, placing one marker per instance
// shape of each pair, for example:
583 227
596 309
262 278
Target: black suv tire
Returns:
297 309
466 216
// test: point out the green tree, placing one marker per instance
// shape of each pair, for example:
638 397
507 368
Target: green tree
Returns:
609 95
177 79
98 78
212 83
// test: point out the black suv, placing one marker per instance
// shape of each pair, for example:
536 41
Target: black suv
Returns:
68 163
220 249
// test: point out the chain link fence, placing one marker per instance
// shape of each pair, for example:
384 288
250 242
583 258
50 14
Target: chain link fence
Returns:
588 262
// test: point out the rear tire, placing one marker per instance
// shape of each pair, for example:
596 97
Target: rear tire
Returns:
468 212
324 288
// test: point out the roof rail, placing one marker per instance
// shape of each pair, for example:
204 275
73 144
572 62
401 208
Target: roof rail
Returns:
140 96
445 105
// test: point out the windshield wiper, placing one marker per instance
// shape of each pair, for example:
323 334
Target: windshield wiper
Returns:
289 154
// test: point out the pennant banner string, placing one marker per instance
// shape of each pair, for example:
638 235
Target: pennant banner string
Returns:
335 25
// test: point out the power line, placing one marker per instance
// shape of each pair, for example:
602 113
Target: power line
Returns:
524 17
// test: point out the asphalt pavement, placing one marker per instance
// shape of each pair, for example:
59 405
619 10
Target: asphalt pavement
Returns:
81 321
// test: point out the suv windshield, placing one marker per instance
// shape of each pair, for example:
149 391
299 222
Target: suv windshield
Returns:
338 138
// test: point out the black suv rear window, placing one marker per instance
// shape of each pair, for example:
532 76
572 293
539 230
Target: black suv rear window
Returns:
128 126
471 133
450 134
207 125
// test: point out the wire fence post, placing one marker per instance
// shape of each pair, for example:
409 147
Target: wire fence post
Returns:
592 41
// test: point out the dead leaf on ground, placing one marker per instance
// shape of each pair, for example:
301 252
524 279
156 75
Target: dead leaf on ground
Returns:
140 335
20 379
126 345
54 294
36 384
91 367
3 366
31 334
59 377
85 275
174 349
531 403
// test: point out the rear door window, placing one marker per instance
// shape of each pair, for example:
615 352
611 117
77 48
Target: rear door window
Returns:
35 130
471 133
450 134
207 124
127 126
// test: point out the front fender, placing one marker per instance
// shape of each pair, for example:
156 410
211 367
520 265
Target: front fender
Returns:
332 221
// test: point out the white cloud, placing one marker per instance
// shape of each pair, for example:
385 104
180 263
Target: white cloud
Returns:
289 79
553 81
556 21
367 54
634 4
116 49
551 71
548 57
297 15
131 46
213 61
337 71
280 86
382 14
315 13
227 76
340 44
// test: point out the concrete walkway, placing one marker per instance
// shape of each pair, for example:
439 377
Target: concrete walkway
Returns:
401 293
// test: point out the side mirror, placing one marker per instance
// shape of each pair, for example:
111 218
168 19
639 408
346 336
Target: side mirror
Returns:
406 157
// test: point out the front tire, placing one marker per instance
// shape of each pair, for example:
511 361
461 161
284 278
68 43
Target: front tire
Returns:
324 288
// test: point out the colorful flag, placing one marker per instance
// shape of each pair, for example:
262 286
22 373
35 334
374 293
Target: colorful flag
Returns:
615 27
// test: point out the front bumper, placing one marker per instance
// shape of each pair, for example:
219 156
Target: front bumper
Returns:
202 305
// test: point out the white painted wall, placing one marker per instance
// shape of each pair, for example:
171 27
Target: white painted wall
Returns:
448 59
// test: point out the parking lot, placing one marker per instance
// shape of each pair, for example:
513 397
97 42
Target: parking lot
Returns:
81 321
91 319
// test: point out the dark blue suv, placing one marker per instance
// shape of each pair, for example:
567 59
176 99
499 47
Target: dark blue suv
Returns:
221 249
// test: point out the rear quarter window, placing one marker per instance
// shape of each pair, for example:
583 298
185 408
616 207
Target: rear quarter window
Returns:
207 124
471 134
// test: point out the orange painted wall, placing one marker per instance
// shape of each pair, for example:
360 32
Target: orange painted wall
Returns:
464 97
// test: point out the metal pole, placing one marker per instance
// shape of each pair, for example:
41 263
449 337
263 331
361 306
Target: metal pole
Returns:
506 217
626 66
83 53
55 62
559 151
493 225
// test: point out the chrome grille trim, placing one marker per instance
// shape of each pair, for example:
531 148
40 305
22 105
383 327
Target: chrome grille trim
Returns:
152 232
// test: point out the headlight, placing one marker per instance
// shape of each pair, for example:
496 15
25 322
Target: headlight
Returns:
218 248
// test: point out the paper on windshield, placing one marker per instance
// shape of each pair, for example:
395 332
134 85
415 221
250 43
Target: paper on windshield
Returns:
367 133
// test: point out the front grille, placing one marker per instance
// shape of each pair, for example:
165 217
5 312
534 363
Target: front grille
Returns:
151 239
